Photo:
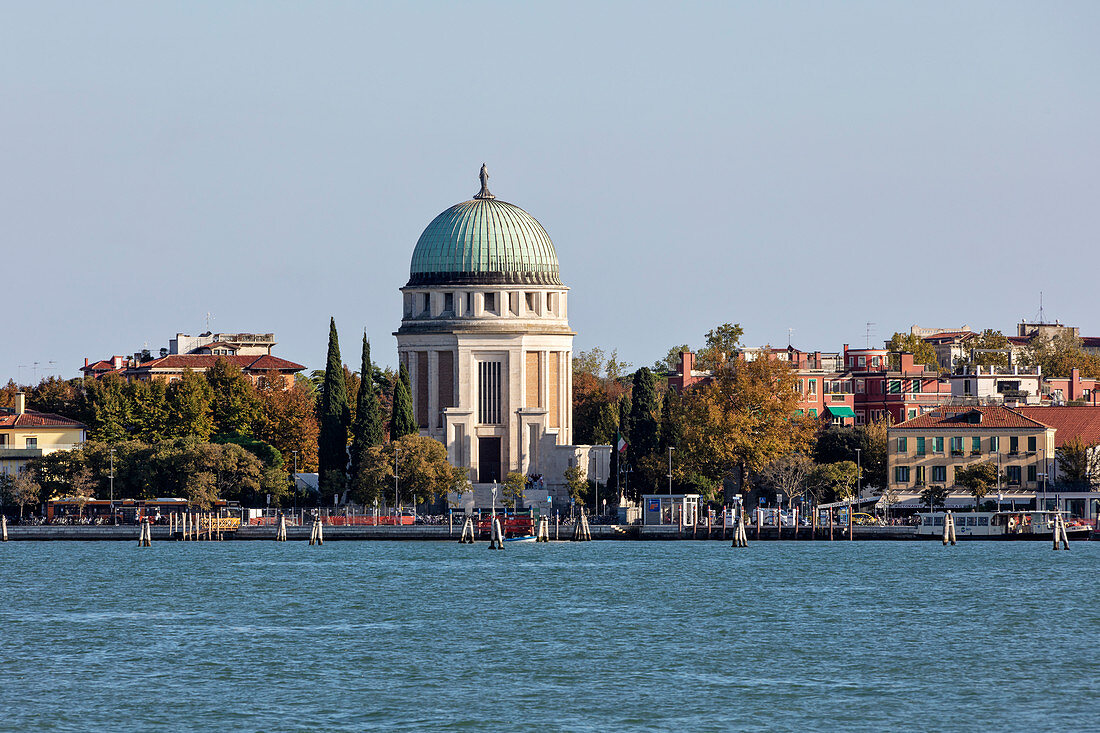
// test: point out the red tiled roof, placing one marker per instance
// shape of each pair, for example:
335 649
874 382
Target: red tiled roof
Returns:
1092 342
32 419
253 363
99 365
993 416
1071 421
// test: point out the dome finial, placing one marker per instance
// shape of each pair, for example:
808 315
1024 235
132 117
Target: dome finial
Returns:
484 176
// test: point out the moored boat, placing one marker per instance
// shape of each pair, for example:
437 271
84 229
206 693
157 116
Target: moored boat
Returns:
1013 525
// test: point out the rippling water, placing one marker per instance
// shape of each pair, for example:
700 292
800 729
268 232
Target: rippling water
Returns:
600 635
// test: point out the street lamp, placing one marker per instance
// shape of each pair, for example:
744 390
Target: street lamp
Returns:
114 517
396 491
859 482
670 449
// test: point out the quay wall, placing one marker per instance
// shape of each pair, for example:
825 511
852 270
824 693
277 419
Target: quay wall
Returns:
129 533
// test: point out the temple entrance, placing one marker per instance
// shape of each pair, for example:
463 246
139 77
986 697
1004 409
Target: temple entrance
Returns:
488 460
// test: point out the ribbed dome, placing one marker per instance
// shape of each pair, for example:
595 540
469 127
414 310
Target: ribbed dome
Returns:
484 241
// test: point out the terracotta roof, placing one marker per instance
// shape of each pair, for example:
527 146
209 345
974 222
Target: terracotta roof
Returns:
950 335
32 419
101 365
1092 342
253 363
993 416
1071 421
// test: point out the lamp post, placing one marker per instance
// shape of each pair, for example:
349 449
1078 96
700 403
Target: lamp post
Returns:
859 482
114 517
396 490
670 449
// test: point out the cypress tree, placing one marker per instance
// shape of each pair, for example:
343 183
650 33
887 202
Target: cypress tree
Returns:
643 416
402 422
332 443
367 429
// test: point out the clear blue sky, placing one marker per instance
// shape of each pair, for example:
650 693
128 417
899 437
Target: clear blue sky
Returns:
811 165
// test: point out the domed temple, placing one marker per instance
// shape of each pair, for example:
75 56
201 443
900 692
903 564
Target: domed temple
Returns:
485 336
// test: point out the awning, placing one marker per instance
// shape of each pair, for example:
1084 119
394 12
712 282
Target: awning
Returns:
841 411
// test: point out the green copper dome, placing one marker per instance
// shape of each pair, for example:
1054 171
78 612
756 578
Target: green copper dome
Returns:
484 241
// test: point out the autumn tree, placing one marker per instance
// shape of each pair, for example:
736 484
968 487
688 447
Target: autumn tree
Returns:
1059 356
834 481
989 348
671 363
743 421
922 351
25 489
288 421
334 418
189 413
233 402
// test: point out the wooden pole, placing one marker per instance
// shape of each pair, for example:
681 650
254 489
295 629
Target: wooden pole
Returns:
557 525
4 524
831 524
759 521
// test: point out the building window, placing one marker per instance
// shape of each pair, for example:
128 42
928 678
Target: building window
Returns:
903 445
920 446
32 443
1013 473
813 412
1013 444
994 444
937 446
491 302
975 445
813 386
916 386
956 446
469 304
426 304
531 302
801 387
1031 443
894 386
549 303
966 386
939 474
449 303
919 476
860 386
488 392
863 361
1032 474
901 474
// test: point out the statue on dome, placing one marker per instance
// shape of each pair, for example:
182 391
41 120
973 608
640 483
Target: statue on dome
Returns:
484 176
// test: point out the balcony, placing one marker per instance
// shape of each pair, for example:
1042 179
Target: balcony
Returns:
15 453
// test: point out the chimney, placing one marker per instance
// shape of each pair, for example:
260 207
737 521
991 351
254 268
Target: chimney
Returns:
20 403
85 361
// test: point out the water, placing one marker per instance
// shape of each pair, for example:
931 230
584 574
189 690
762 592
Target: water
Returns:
589 636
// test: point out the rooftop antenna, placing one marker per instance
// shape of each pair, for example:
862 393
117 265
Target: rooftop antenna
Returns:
789 332
209 317
870 330
1041 307
52 362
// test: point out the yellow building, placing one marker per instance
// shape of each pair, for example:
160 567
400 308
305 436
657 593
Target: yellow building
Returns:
928 450
27 434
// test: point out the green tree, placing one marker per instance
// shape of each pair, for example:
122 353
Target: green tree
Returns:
402 422
982 346
513 488
189 412
112 411
1079 463
671 363
150 401
334 418
233 402
423 472
722 343
577 481
366 431
978 479
833 481
935 496
837 443
922 351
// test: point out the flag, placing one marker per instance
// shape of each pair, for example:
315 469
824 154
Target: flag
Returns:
622 444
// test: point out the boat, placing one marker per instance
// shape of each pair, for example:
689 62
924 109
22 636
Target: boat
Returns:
1035 524
524 538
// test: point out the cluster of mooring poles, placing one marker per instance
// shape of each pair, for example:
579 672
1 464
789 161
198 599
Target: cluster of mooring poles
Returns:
316 534
740 536
1060 536
280 532
543 532
195 526
581 530
4 521
468 532
496 535
948 528
145 534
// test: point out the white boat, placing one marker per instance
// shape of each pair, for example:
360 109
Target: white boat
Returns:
1012 525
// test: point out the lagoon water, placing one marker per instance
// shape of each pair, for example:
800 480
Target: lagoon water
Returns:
806 636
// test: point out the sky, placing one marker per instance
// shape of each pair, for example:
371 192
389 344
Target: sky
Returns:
814 166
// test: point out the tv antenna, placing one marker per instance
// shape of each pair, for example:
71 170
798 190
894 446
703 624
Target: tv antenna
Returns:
869 332
789 332
209 317
1041 313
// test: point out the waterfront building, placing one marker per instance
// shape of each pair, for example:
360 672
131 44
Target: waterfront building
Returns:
485 337
1021 442
27 434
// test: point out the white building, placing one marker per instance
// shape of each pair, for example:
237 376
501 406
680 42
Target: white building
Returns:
485 337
